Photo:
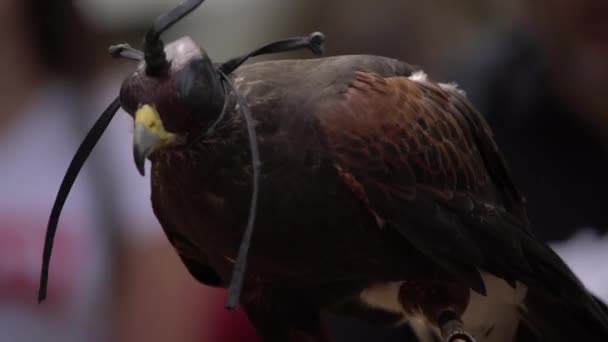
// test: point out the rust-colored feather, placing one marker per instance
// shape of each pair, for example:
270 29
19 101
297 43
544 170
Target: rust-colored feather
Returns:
412 152
407 135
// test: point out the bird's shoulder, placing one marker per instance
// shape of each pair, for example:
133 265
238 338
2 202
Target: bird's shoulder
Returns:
385 120
418 136
422 159
312 80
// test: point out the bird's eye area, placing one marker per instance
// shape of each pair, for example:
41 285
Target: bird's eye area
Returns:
199 88
188 84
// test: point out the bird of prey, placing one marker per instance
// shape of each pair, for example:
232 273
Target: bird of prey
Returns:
377 193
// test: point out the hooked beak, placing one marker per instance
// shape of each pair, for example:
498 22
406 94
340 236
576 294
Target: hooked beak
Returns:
149 135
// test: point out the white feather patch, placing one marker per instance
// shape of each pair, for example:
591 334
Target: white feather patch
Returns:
497 313
491 318
418 76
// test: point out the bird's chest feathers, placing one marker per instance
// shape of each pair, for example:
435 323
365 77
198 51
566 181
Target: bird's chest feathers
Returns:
200 203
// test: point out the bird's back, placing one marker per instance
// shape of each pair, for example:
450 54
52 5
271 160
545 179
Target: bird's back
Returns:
340 210
298 93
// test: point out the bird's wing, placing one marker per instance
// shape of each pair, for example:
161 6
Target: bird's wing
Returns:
421 159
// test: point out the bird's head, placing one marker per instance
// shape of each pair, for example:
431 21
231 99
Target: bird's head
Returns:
175 91
174 101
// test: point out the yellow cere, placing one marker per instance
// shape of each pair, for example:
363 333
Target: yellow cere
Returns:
149 117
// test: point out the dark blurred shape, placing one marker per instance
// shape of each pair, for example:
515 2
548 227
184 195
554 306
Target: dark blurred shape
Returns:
60 36
353 330
543 88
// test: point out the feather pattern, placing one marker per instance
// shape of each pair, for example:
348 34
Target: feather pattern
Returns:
372 180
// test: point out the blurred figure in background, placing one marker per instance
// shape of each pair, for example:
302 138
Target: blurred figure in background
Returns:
38 132
114 276
543 84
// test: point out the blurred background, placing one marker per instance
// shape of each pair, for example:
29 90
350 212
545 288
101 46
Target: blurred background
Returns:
537 69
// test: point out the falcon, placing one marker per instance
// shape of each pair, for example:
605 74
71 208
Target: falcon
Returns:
375 192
